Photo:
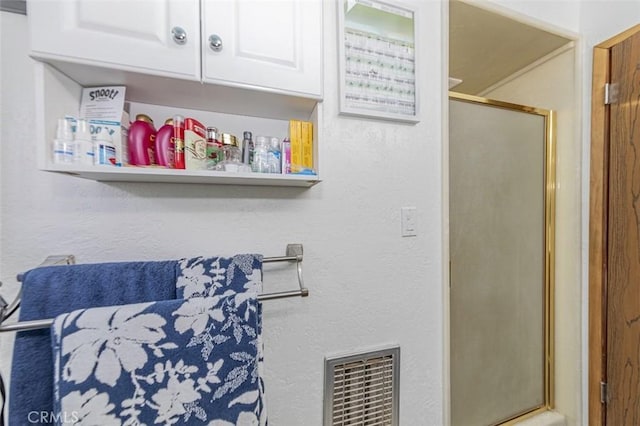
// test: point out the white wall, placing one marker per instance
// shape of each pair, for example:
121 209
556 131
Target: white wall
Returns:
369 287
550 85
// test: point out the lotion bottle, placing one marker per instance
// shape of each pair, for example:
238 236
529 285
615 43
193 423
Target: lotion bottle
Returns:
141 141
164 145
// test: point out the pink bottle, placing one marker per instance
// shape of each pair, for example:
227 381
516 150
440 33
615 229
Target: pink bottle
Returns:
141 141
165 145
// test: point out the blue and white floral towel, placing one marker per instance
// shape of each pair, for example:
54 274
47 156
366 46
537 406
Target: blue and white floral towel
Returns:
175 362
235 276
212 276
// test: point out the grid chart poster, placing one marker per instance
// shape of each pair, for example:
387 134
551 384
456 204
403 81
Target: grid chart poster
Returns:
378 60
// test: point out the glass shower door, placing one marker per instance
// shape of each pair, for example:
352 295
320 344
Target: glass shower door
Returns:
501 239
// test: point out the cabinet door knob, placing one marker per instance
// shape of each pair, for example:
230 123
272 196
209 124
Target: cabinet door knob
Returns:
215 43
179 35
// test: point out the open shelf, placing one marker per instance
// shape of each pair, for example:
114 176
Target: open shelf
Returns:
161 175
58 95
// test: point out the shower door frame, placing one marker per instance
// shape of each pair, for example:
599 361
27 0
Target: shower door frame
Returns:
549 244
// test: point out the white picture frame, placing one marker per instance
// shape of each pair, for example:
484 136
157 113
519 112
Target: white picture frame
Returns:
378 63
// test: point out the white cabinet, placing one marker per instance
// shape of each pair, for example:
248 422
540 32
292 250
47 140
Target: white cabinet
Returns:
129 35
267 71
272 45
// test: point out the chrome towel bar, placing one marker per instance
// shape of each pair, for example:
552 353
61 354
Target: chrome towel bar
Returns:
293 254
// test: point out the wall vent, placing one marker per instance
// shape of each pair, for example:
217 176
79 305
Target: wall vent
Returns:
362 389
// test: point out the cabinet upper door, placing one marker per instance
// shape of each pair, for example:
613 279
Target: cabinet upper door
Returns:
135 35
272 44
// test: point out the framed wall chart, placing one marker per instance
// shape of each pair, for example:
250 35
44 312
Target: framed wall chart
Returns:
378 65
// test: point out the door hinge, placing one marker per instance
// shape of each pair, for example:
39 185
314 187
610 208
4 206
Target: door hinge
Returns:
604 397
610 93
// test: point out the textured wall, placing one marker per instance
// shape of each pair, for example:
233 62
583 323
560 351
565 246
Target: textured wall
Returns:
369 286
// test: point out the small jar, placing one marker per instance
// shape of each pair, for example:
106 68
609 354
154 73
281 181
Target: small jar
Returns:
231 153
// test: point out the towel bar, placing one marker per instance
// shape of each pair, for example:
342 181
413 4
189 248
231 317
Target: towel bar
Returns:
6 310
293 254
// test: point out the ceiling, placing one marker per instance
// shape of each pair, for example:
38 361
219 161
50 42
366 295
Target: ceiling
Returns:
485 47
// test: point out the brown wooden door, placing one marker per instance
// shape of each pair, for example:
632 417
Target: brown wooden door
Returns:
614 234
623 280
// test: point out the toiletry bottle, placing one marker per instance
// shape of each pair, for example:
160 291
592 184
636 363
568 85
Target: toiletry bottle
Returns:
247 148
164 145
286 156
63 143
141 141
275 161
178 144
195 145
83 146
105 153
261 155
214 148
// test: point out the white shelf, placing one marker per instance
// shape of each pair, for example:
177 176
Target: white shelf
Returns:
58 95
160 175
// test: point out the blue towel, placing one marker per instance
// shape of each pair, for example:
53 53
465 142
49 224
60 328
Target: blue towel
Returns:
177 362
50 291
236 276
222 276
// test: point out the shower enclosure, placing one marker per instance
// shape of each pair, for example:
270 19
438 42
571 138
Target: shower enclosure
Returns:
501 188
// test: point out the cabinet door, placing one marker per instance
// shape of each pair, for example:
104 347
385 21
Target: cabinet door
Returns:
272 44
132 35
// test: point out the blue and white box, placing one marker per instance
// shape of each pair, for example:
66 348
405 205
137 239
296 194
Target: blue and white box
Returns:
104 107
